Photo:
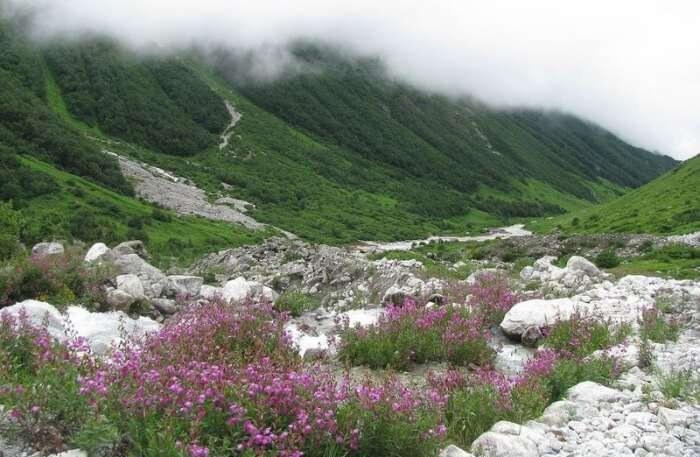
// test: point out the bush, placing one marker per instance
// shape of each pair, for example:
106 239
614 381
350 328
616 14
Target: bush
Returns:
607 259
295 302
62 279
10 225
583 335
656 327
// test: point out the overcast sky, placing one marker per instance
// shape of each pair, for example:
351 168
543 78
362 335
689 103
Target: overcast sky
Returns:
632 66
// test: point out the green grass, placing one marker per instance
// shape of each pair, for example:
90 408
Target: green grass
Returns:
669 204
183 238
673 261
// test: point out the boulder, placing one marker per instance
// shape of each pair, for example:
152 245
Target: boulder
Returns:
71 453
131 247
580 264
454 451
395 295
165 306
210 292
96 251
535 313
132 285
493 444
184 285
558 413
591 392
438 299
38 312
237 290
119 300
45 249
673 418
531 336
527 273
153 279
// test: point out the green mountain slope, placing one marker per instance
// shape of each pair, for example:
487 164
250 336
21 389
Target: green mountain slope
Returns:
334 154
668 204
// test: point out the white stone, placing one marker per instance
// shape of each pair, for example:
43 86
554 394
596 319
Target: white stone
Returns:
37 313
558 413
237 290
120 300
491 444
132 285
44 249
71 453
672 418
590 392
537 313
454 451
211 292
578 263
96 251
184 285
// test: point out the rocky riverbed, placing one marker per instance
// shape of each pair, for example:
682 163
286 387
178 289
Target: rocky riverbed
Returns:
634 416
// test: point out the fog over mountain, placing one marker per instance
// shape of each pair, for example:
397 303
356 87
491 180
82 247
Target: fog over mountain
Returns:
630 66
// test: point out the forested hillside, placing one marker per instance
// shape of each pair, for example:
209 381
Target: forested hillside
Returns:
668 204
335 153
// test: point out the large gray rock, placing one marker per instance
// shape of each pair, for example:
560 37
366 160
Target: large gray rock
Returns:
153 279
558 413
395 295
494 444
578 263
96 251
119 300
45 249
165 306
184 285
132 285
537 313
131 247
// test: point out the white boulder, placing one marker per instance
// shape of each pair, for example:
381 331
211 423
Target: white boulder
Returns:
578 263
132 285
37 313
95 252
494 444
44 249
538 313
237 290
454 451
184 285
591 392
210 292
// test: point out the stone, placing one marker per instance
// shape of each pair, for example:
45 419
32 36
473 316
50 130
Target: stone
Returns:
580 264
184 285
132 285
210 292
152 278
237 290
120 300
395 295
537 313
672 418
643 421
438 299
558 413
37 312
95 252
591 392
165 306
131 247
492 444
71 453
46 249
531 336
526 273
454 451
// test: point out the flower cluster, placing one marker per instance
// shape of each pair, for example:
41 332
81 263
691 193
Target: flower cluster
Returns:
490 296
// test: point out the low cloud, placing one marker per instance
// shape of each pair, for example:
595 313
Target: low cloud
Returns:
630 66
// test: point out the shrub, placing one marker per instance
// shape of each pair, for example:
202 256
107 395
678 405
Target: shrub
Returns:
416 334
680 384
491 297
656 327
59 278
607 259
10 225
295 302
582 335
